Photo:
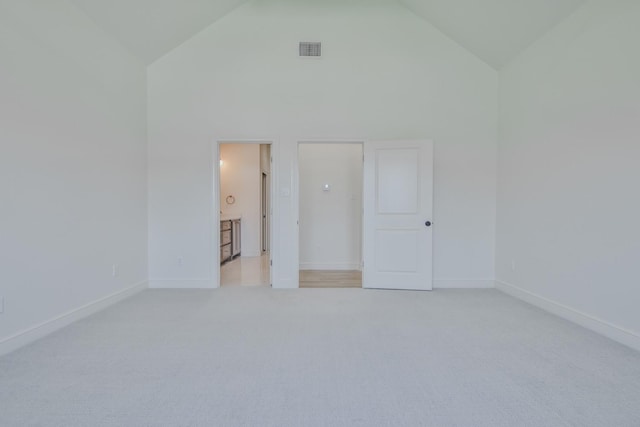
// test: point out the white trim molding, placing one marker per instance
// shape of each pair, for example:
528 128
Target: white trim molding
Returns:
616 333
47 327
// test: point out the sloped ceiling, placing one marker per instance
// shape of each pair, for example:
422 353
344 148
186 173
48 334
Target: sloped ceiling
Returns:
151 28
494 30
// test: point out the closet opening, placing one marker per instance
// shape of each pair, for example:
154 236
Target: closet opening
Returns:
330 214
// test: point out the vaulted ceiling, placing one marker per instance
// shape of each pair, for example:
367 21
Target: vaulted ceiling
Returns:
493 30
151 28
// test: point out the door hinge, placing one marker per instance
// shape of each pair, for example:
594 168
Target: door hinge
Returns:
271 263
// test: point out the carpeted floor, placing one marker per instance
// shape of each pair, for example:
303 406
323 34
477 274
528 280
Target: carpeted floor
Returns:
321 357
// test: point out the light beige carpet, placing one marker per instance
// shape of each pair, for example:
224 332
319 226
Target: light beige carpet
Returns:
321 357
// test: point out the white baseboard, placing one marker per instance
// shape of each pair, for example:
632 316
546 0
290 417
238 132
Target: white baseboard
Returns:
329 266
463 283
182 284
616 333
36 332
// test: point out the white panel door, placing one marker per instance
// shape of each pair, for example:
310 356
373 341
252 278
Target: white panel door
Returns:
398 207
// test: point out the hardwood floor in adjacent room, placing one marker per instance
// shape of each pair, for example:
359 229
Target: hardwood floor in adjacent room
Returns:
330 279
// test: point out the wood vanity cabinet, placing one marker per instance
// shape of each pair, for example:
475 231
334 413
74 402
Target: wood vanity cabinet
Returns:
229 239
225 241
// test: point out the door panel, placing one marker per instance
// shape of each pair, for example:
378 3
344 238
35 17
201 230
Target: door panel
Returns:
398 203
397 180
390 256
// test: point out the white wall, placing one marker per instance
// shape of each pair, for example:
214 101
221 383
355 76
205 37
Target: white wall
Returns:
569 175
240 177
72 165
330 222
385 74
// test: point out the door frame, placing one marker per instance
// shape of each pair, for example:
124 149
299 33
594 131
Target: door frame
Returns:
215 203
265 244
296 190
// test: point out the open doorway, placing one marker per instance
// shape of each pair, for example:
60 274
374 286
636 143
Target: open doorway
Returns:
330 214
244 189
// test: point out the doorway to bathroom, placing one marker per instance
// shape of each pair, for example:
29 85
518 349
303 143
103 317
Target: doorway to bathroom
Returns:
245 213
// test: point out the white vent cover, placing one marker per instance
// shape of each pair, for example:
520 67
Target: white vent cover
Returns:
310 49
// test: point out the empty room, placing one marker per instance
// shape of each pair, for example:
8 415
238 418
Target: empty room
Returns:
319 213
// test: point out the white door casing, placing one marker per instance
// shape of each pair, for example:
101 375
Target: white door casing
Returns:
398 209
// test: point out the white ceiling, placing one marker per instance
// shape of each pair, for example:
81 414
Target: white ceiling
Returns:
151 28
494 30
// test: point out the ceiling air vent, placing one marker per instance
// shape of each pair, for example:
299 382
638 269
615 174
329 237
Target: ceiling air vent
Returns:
310 49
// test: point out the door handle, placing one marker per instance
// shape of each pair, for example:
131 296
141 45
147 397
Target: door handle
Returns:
428 223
